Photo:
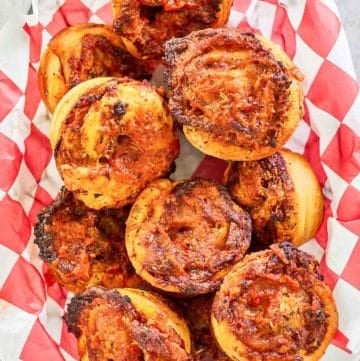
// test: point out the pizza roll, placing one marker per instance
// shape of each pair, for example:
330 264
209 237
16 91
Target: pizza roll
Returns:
237 95
83 247
83 52
183 237
145 25
127 324
274 306
282 195
111 137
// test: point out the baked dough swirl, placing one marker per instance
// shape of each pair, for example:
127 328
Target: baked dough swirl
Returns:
237 95
111 137
282 195
83 52
274 306
145 25
127 324
183 237
83 247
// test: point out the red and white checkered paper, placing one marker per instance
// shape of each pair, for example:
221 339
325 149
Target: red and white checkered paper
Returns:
310 31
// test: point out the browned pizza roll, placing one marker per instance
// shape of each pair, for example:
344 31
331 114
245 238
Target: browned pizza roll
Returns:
145 25
83 247
237 95
274 306
183 237
111 137
127 325
282 195
83 52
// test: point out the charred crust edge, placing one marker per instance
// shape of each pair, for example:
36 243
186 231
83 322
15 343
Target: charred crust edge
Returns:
301 258
79 302
43 238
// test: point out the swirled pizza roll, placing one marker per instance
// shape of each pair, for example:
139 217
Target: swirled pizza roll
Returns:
127 324
111 137
83 52
237 95
145 25
274 306
183 237
282 195
83 247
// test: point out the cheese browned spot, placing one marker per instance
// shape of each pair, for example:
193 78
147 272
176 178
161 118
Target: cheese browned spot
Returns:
184 237
273 306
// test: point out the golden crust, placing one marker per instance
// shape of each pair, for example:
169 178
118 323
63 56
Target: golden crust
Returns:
308 194
282 195
83 247
111 137
82 52
238 96
127 324
145 25
184 237
274 306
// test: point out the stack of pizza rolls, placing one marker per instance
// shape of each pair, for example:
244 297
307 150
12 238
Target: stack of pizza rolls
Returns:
184 270
239 98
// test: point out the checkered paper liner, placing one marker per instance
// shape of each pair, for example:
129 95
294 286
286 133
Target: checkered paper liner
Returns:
310 31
